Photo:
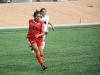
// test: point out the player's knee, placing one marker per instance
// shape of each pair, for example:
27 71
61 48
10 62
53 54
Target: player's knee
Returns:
37 51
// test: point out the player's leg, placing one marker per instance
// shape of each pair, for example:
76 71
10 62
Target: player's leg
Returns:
43 41
35 47
40 49
38 56
32 50
33 44
39 44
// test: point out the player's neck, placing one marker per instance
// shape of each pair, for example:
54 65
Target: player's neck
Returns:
43 15
36 20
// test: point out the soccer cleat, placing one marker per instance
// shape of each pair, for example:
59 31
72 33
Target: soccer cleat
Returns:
44 67
32 50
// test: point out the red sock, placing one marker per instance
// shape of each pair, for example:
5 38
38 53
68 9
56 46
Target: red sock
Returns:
39 58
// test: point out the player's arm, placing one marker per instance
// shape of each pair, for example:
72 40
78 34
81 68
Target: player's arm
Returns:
42 32
51 25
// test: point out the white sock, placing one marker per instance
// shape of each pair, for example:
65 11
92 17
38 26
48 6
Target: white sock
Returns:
43 43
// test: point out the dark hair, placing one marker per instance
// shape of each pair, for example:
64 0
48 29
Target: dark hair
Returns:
42 9
35 13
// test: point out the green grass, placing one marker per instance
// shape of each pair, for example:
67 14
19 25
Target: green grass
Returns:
68 51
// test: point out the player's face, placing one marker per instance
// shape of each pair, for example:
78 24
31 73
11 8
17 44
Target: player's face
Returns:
37 17
44 12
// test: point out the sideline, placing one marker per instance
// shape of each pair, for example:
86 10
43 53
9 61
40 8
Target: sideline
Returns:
56 25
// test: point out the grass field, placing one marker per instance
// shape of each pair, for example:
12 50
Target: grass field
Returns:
68 51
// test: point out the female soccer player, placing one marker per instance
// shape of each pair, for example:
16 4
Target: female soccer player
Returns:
34 36
45 19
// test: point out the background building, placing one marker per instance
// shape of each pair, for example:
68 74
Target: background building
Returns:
18 1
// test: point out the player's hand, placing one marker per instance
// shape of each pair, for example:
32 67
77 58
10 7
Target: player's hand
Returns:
53 28
36 36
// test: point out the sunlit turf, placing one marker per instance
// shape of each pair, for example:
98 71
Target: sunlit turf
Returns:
68 51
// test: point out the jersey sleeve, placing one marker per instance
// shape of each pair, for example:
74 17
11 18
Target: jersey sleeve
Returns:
42 23
30 22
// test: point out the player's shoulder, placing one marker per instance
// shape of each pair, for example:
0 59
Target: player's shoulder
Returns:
46 16
40 21
30 19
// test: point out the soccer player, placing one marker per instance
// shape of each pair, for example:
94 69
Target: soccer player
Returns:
34 36
45 19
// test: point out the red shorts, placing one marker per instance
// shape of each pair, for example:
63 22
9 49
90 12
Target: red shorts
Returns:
34 41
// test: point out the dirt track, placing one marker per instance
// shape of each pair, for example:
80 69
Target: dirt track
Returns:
18 14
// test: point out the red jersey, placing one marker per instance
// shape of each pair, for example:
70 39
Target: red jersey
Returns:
34 29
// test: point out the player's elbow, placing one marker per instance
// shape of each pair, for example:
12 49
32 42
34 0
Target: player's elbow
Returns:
43 33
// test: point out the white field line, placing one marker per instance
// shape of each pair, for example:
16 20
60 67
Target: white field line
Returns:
56 25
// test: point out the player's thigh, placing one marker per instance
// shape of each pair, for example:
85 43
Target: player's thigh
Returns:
39 44
35 47
40 48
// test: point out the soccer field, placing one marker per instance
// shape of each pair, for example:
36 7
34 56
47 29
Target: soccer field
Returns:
68 51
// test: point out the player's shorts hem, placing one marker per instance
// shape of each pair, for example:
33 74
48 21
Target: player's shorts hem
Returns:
33 41
46 33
